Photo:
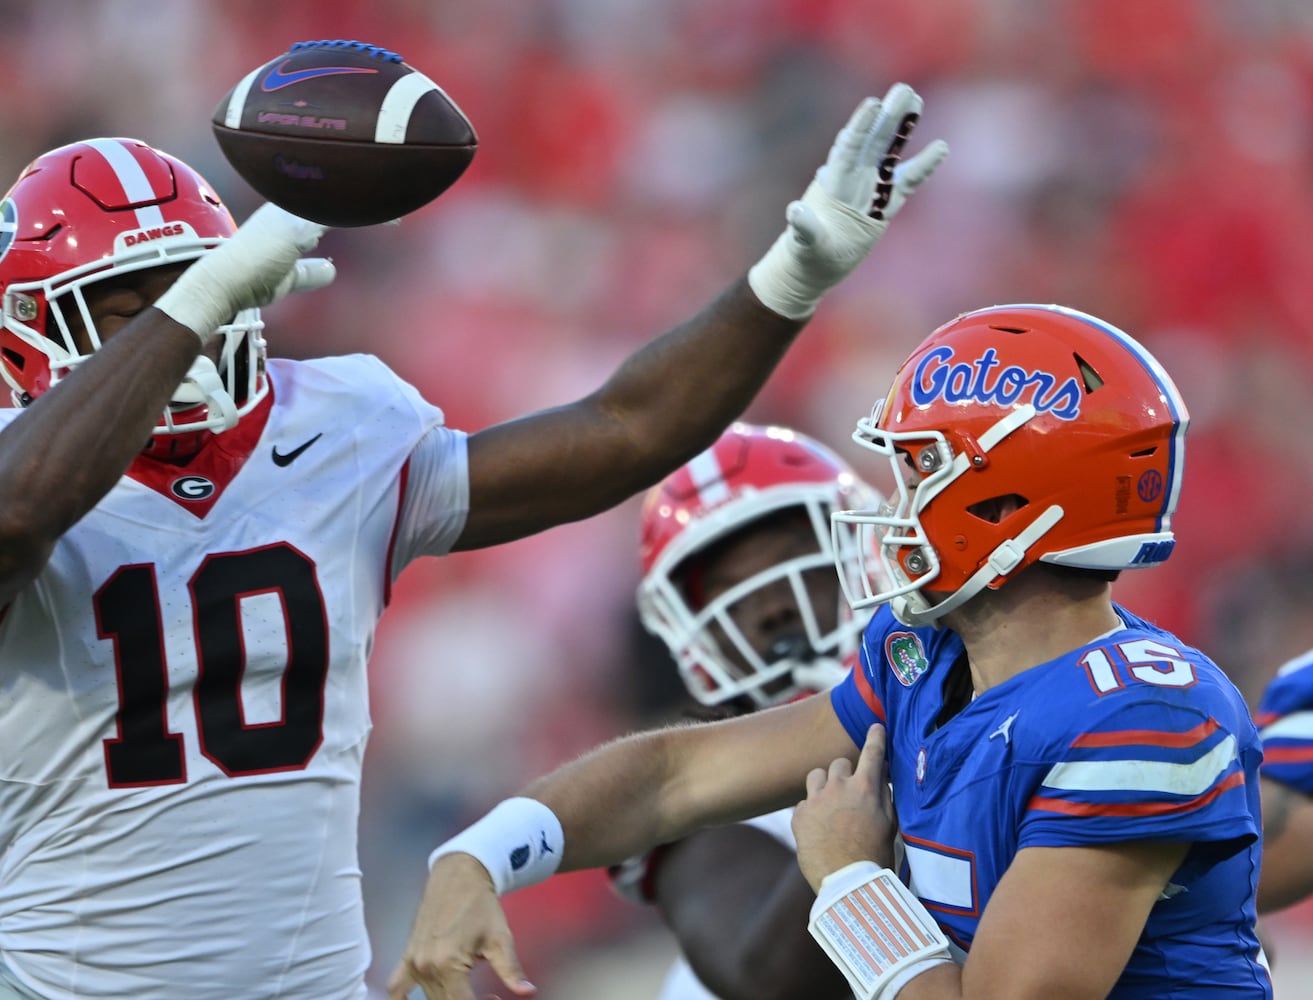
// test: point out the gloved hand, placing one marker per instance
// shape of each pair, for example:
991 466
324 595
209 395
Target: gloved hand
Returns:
847 208
257 265
306 275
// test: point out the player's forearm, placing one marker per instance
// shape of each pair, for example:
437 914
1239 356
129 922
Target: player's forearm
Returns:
942 982
613 802
632 794
656 787
677 393
71 446
667 402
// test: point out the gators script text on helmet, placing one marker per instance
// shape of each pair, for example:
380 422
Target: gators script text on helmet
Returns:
1064 414
750 473
99 209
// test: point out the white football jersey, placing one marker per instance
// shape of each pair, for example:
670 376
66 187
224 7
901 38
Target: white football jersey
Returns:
183 700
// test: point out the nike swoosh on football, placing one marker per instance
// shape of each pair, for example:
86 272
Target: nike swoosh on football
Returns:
276 79
295 453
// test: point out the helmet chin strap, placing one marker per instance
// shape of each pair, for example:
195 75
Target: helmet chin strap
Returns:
808 670
203 384
819 674
1002 561
912 608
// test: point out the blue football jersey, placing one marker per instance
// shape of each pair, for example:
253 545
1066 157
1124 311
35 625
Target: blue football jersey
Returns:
1285 722
1135 736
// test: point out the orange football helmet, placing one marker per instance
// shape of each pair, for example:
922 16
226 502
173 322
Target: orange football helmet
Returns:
1060 414
750 473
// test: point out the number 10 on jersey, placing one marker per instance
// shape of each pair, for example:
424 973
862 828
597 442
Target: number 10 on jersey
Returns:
145 751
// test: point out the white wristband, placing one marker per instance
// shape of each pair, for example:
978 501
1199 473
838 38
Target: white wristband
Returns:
520 844
876 932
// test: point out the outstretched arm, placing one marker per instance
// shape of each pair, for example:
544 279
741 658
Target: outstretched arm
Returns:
664 404
612 803
655 787
671 398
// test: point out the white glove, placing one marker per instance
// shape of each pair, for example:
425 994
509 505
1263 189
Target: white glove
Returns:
306 275
257 265
847 208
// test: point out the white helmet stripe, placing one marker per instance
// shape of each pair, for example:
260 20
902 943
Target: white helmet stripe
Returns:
135 183
1296 726
709 478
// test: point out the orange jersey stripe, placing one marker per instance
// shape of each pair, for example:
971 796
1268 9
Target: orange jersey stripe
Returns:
1148 737
1287 755
868 693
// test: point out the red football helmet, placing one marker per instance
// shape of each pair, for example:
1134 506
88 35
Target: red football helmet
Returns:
1060 415
101 208
749 474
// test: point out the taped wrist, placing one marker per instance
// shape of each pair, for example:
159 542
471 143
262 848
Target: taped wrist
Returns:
876 932
519 842
824 242
247 269
773 280
195 303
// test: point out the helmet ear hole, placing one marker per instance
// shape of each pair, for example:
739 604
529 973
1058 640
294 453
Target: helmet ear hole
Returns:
997 509
1090 378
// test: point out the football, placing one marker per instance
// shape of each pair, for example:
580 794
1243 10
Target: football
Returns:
343 133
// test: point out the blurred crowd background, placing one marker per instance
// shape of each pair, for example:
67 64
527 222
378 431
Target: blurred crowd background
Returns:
1149 161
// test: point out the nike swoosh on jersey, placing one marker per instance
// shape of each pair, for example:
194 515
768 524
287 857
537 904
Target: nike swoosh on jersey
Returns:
294 454
276 79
